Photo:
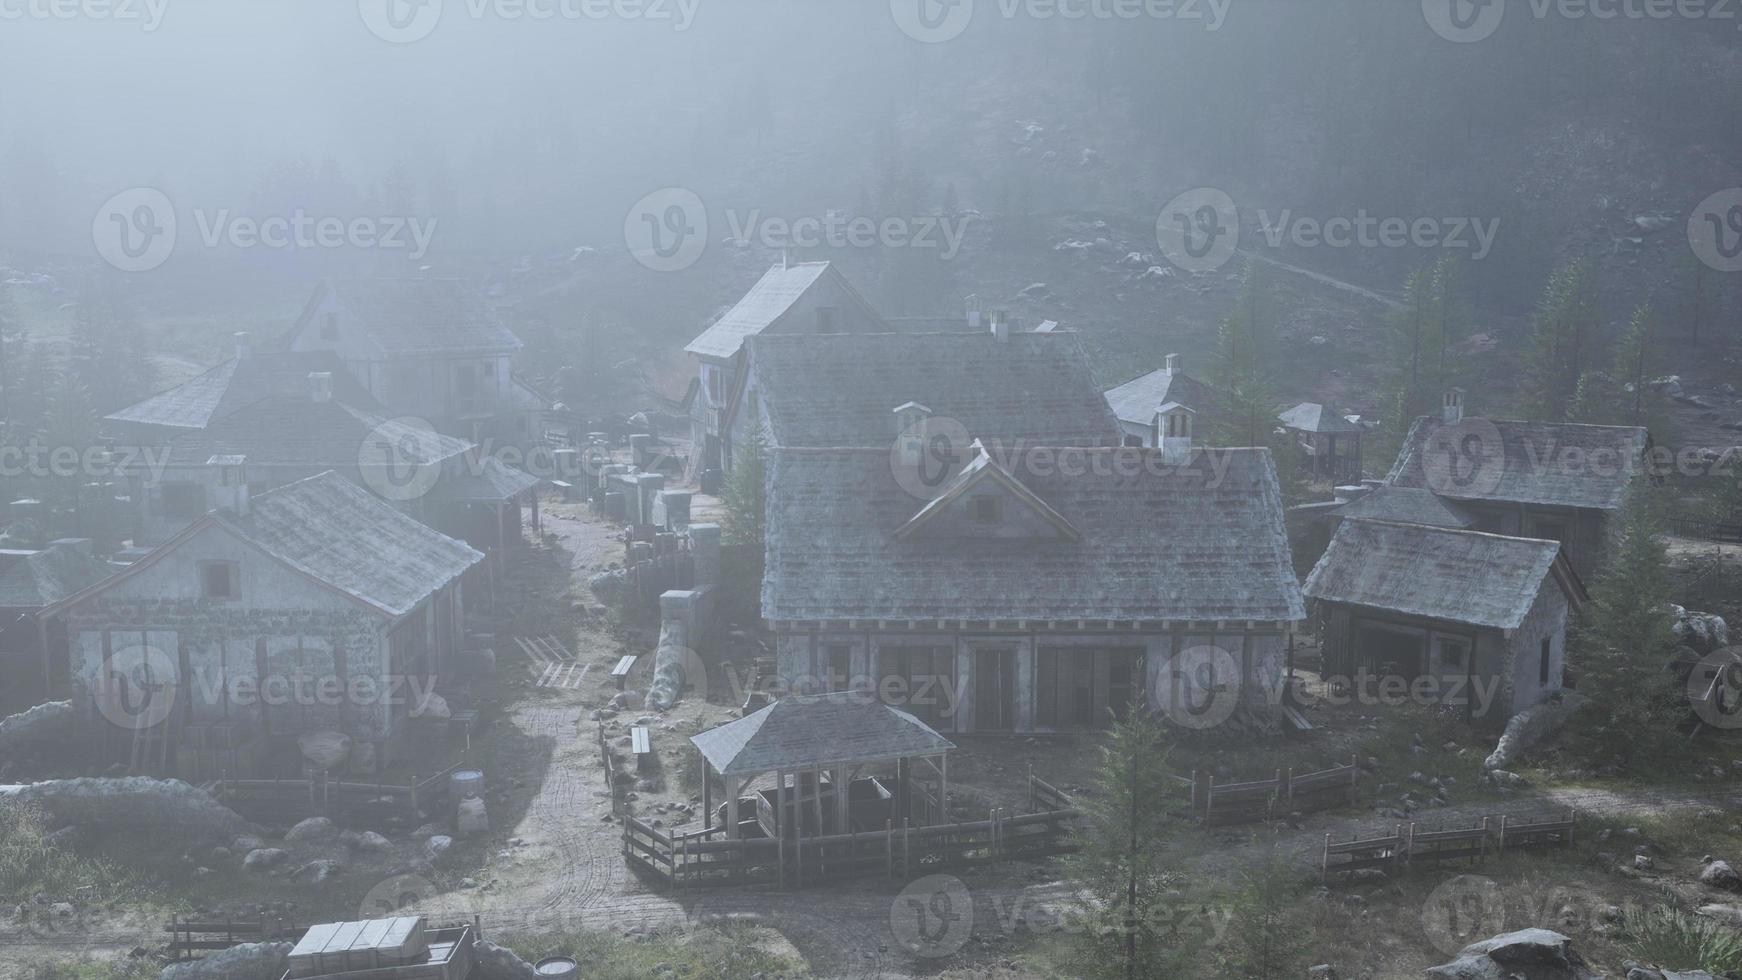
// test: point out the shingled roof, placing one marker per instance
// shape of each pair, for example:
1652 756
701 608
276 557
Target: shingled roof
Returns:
296 430
240 381
1408 505
1440 573
1552 463
817 730
767 301
1313 417
842 390
49 576
427 315
1136 400
1153 542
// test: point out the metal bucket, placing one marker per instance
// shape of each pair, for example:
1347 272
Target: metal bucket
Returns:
557 968
465 784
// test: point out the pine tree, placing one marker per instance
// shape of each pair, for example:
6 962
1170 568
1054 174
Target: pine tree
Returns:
1122 841
746 503
1244 362
1264 940
1563 331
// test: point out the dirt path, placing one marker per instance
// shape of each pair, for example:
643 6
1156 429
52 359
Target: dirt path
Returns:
1319 277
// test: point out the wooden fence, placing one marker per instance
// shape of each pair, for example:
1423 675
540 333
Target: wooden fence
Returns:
708 857
319 795
619 806
1408 845
1219 805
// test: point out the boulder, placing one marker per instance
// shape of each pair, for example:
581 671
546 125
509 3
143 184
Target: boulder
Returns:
318 872
1531 725
492 962
470 818
437 848
432 706
164 809
249 961
1528 954
1704 632
325 750
371 842
1719 874
1730 915
310 830
263 858
44 724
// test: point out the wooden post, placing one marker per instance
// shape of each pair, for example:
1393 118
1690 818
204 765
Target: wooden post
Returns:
1409 846
732 791
1325 861
889 848
1503 833
707 794
1354 780
906 845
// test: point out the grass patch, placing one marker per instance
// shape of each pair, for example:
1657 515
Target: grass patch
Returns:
1675 940
30 864
91 969
727 952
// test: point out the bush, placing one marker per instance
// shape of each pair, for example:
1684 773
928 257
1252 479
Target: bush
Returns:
1673 940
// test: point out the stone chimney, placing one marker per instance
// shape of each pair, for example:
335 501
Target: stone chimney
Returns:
1173 364
242 346
320 386
1000 326
231 493
1452 408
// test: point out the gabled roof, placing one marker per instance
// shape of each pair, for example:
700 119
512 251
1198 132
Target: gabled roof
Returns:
1313 417
339 536
983 470
1552 463
47 577
483 480
1198 541
239 381
807 731
1136 400
767 301
843 390
1440 573
296 430
429 315
1408 505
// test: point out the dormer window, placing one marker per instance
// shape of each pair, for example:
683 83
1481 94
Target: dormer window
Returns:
984 510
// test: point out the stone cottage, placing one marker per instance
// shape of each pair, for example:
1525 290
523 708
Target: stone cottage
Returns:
312 607
1039 593
1444 615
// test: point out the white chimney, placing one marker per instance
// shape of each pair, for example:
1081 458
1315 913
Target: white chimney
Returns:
1173 433
320 385
231 493
1173 364
974 321
911 432
1000 326
241 338
1452 408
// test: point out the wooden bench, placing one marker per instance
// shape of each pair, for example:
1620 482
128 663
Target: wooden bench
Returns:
620 673
641 742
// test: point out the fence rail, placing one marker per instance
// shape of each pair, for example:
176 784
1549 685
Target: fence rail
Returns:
320 795
1220 805
1408 845
703 858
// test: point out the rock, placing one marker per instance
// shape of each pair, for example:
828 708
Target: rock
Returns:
437 847
163 809
318 872
428 830
470 818
1528 954
310 830
1642 862
432 706
492 962
1323 971
371 842
1730 915
1704 632
1529 726
325 750
263 858
249 961
1719 874
45 724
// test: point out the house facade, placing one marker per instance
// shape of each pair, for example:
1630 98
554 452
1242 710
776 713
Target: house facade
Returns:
1043 593
1138 404
1554 480
32 669
1472 620
313 607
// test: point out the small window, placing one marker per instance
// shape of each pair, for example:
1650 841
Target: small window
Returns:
330 327
712 374
983 510
219 579
1542 664
1454 655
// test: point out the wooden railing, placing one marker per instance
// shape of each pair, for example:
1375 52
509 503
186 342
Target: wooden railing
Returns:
1409 845
1222 804
321 795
